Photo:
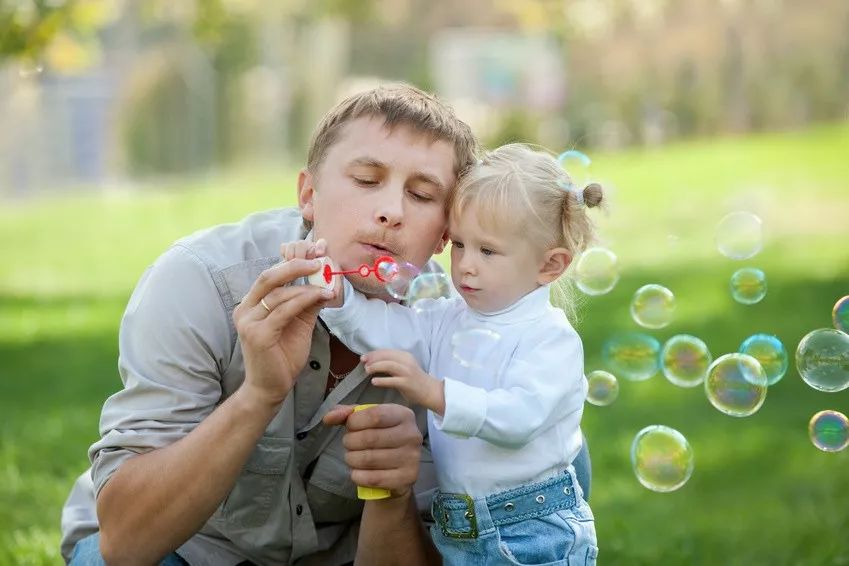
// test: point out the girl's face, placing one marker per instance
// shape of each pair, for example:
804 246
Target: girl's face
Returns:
491 269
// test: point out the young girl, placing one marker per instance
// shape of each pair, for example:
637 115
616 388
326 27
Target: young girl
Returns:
504 432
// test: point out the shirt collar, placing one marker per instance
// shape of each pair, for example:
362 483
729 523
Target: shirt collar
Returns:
529 307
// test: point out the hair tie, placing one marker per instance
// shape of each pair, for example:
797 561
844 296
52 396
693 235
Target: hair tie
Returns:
570 187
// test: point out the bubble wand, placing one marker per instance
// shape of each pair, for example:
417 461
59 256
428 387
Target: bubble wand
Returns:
363 271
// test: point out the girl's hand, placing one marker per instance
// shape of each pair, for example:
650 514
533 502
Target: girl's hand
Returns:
406 376
303 249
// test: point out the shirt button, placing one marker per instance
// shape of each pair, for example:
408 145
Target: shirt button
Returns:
315 365
299 509
302 435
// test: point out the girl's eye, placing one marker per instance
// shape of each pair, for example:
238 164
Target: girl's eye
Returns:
365 182
421 197
487 251
457 244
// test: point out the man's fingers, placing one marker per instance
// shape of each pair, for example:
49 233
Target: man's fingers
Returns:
386 415
397 480
338 415
377 459
308 301
278 276
277 298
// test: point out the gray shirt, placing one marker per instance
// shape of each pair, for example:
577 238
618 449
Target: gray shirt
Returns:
180 357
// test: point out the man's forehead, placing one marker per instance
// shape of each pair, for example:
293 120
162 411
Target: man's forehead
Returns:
368 139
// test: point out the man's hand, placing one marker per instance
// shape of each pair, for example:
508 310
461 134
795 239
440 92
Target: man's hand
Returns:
304 249
405 375
275 322
383 445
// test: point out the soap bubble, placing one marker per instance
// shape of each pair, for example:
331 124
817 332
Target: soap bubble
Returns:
633 356
771 354
662 458
602 388
653 306
736 385
398 278
684 360
428 286
829 431
596 272
577 166
822 359
748 285
739 235
840 314
387 270
472 347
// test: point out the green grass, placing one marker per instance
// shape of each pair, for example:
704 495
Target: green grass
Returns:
760 493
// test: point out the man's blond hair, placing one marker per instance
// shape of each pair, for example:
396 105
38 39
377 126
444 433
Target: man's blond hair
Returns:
397 105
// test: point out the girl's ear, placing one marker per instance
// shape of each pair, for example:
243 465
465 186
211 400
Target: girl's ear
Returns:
555 262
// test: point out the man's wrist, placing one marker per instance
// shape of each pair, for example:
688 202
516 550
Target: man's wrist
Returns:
253 400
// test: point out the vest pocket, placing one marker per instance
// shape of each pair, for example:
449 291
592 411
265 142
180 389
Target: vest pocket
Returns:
260 486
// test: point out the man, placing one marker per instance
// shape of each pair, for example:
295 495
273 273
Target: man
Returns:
221 448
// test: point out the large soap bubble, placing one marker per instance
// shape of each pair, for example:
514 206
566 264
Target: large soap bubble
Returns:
662 458
596 271
633 356
653 306
685 360
736 385
739 235
822 359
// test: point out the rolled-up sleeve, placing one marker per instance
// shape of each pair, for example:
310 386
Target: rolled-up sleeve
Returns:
174 344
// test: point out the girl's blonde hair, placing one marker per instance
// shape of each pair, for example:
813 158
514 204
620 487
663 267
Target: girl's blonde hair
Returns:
525 190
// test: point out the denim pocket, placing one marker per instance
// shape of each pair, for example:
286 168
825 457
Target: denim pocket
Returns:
259 486
541 541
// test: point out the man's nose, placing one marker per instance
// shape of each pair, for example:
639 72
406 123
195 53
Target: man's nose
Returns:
390 208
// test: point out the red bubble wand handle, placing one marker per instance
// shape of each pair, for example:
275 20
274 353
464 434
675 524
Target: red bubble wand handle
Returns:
364 270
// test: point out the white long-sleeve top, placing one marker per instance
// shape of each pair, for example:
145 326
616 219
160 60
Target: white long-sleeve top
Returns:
513 405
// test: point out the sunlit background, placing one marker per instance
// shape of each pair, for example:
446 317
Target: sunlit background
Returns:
125 125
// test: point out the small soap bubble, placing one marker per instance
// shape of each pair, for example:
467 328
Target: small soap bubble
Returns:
662 458
633 356
602 388
739 235
771 354
748 285
736 385
840 314
577 166
653 306
428 286
684 360
822 359
829 431
398 284
596 271
387 270
472 347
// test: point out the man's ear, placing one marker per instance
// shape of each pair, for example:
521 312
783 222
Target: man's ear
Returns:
306 192
443 241
555 262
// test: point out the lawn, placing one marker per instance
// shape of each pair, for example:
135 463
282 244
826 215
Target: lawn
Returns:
760 493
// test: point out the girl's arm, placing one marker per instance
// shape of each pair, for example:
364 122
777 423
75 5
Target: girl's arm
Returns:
543 384
364 324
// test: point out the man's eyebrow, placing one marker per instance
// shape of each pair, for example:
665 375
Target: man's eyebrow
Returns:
368 162
419 176
429 179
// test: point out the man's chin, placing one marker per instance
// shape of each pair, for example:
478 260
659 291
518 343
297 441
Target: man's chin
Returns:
370 287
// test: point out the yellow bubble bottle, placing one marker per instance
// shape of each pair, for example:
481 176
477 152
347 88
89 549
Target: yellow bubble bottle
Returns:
365 492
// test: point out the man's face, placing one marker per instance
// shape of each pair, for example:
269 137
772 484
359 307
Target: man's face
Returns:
379 193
